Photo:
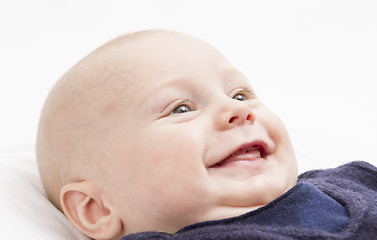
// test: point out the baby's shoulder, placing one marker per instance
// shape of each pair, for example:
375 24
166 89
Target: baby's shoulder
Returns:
353 173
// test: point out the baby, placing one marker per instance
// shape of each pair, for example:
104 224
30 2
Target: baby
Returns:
155 135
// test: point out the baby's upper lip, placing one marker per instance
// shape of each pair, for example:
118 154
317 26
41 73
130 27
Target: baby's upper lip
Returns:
257 144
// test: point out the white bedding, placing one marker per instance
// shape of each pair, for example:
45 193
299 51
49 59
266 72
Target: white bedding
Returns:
25 211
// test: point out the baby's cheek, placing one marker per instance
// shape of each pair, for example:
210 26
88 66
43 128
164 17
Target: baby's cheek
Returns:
274 126
176 191
175 201
173 170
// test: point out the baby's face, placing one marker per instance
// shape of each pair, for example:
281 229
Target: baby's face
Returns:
189 141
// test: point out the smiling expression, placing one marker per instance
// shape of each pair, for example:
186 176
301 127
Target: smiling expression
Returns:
189 141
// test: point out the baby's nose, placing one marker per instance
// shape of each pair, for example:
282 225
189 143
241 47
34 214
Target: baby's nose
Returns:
233 113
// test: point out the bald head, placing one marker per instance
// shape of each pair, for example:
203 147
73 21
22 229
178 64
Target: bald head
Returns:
79 109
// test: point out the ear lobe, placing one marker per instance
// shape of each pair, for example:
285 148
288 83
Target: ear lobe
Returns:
84 207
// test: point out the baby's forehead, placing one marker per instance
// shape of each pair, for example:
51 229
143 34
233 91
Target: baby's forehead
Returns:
131 65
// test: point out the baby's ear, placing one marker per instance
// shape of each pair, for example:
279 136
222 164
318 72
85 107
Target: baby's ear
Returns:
84 207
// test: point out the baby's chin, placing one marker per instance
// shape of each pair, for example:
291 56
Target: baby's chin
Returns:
253 192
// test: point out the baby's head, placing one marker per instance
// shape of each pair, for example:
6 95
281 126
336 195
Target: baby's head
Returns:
154 131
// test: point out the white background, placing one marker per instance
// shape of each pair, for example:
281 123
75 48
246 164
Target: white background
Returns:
312 62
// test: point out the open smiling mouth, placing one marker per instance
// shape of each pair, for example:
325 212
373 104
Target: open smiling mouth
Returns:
246 154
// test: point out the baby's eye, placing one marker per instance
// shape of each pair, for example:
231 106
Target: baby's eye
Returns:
181 109
240 97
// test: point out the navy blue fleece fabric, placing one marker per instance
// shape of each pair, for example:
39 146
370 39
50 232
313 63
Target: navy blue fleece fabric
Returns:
338 203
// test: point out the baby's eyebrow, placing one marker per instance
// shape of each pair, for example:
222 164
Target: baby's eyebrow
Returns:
179 87
175 85
233 77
